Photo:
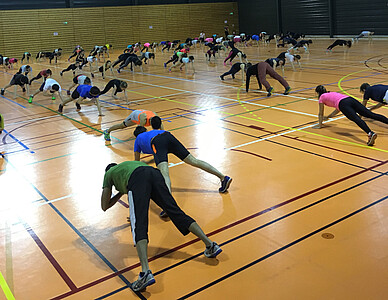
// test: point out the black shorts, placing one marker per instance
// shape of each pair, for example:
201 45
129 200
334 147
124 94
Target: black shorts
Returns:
75 94
165 143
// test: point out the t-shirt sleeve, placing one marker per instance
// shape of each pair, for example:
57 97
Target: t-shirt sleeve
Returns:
366 95
136 147
107 181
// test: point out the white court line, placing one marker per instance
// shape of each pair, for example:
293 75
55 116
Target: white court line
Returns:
264 139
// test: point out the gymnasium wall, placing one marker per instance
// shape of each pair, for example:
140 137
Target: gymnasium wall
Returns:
33 30
314 17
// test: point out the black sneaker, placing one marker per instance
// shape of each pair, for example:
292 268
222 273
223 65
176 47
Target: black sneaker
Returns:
60 108
287 91
163 214
233 76
371 138
270 91
225 183
24 90
222 77
2 91
60 73
78 106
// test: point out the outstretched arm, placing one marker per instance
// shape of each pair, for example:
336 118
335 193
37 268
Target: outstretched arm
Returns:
106 200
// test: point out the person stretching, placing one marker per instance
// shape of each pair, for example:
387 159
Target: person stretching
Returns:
261 70
350 107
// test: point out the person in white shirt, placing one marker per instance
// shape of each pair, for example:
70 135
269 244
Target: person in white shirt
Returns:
363 34
184 61
49 87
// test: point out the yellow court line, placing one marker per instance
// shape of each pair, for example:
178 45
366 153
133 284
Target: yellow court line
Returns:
345 92
346 76
312 133
5 288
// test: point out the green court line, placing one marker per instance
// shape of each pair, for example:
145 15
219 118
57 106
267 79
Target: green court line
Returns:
4 286
8 255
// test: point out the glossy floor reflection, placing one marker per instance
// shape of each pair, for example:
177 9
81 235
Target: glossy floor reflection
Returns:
293 186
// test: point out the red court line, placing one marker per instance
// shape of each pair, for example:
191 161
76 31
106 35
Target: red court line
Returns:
50 257
251 153
102 279
304 141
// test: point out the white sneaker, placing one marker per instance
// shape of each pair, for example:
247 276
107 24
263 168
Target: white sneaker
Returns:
213 250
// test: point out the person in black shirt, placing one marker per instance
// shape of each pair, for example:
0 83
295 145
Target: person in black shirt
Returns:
17 79
378 92
235 69
339 43
117 85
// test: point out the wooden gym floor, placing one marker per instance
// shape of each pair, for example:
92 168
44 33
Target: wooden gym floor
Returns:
306 216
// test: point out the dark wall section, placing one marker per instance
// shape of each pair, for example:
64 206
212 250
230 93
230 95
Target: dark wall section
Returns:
258 16
304 16
358 15
315 17
31 4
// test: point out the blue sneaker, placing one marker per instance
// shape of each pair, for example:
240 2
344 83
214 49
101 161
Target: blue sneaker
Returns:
145 279
225 183
106 135
213 250
287 91
270 91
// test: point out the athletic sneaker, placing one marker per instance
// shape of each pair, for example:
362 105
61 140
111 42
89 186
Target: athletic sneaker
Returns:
2 91
213 250
270 91
225 183
371 138
145 279
118 71
61 73
222 77
60 108
52 98
106 135
30 99
233 76
78 106
287 91
165 65
163 214
24 90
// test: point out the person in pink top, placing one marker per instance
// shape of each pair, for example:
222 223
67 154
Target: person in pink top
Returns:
350 107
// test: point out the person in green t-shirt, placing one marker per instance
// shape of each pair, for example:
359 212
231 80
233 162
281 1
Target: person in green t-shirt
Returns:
142 182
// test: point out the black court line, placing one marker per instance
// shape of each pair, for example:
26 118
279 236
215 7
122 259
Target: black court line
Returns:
280 249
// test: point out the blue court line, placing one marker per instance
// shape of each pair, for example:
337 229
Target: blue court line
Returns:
86 241
13 101
256 229
19 142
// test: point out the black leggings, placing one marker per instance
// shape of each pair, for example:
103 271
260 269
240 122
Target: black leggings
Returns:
109 85
350 107
233 70
173 59
167 46
37 77
148 183
337 43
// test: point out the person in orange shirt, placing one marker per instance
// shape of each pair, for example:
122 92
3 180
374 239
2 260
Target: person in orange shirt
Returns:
138 117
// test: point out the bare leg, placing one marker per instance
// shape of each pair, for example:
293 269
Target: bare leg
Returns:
191 160
196 230
163 168
141 248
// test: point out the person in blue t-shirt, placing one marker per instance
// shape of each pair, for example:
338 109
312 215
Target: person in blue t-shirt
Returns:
160 142
82 92
378 92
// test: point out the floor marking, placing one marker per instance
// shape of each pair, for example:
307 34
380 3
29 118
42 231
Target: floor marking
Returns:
4 286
